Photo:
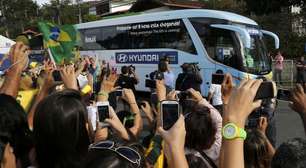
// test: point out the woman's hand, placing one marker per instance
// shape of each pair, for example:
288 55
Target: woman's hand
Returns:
116 124
227 88
68 76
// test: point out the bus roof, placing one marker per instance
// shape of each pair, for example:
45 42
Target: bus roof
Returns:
168 15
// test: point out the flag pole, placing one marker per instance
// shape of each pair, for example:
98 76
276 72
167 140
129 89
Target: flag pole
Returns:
51 57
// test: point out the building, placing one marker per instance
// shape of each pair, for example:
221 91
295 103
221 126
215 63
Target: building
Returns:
298 22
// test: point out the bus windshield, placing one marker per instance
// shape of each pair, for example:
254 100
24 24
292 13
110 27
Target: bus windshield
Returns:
226 47
256 60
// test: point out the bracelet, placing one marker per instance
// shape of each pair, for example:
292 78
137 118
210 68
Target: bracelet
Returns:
103 93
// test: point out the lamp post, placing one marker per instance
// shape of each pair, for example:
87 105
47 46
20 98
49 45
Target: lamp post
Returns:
80 10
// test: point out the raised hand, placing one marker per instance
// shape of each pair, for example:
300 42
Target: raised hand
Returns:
227 88
241 102
68 76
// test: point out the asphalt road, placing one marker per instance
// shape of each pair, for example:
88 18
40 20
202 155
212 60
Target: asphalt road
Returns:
288 124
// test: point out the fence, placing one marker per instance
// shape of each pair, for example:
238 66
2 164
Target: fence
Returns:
288 74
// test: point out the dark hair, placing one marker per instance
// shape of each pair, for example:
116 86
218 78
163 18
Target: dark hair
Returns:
290 154
255 150
60 130
162 66
110 159
200 130
125 70
195 161
14 127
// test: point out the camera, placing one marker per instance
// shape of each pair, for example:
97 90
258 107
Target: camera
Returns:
159 75
132 69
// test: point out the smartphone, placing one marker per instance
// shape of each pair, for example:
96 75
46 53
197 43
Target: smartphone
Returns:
103 110
283 94
170 112
119 93
36 42
182 94
266 90
217 79
82 80
150 83
56 76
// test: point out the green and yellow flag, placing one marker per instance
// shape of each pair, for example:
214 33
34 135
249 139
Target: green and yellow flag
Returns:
60 40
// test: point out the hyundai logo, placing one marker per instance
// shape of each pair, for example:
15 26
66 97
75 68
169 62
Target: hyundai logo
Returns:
122 57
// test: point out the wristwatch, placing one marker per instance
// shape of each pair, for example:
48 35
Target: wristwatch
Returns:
231 131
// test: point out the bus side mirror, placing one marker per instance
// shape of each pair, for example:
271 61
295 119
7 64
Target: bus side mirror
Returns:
246 38
274 36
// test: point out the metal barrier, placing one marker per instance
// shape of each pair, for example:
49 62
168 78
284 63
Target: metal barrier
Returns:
288 74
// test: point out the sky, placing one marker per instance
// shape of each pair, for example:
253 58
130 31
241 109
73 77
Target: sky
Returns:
40 2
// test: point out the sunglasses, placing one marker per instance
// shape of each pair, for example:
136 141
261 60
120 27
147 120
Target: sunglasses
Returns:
126 152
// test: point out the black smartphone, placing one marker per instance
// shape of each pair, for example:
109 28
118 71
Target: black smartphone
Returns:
182 94
56 76
217 79
266 90
284 94
119 93
150 83
169 113
36 42
103 111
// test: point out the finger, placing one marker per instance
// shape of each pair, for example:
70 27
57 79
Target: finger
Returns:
299 88
256 85
242 83
256 104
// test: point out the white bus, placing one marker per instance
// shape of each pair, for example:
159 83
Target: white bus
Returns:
217 40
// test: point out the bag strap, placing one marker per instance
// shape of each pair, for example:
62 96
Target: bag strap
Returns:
208 159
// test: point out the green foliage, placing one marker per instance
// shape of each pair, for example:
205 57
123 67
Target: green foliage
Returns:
90 18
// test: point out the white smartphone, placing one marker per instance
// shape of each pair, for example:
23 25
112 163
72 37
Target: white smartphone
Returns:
103 111
170 112
82 80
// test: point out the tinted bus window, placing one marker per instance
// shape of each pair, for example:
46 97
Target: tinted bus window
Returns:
221 45
170 34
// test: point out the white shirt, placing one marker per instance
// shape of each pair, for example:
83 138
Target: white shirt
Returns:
215 90
169 79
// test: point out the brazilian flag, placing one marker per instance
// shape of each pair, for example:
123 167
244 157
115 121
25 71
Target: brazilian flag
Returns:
60 40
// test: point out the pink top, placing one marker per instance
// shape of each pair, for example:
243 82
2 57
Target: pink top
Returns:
214 151
279 62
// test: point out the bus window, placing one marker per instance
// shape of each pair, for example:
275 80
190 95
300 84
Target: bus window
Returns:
221 45
170 34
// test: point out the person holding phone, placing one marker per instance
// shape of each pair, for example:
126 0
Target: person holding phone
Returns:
215 94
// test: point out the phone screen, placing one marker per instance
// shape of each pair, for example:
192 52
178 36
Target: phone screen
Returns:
284 95
103 112
56 76
217 79
170 114
118 93
265 90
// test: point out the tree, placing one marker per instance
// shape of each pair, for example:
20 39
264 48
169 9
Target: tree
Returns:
17 15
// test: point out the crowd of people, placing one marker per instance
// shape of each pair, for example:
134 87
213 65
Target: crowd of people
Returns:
63 128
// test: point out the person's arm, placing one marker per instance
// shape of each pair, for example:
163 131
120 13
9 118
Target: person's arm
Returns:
44 91
298 104
135 77
146 108
117 125
263 124
19 59
240 105
9 159
174 144
128 95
